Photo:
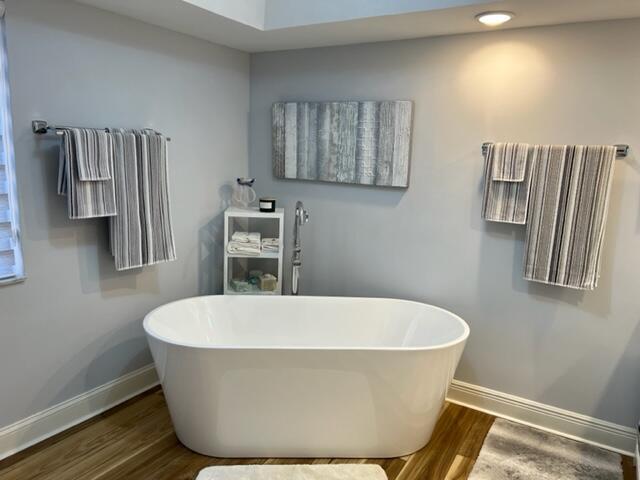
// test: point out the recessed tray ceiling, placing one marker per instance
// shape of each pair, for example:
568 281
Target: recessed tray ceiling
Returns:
263 25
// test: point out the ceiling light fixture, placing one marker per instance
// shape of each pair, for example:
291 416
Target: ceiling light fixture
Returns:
493 19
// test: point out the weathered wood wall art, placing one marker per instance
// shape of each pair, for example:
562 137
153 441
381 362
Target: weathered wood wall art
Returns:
365 143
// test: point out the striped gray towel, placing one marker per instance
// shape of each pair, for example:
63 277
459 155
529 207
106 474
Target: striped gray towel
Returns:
125 229
162 231
93 153
62 170
509 162
568 212
507 201
142 232
85 198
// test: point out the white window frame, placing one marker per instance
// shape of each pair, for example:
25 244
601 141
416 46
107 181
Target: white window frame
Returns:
10 168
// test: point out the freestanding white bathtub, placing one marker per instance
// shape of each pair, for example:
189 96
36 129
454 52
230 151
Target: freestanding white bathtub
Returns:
258 376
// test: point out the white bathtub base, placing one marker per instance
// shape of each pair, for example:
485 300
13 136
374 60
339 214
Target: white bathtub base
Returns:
332 404
296 391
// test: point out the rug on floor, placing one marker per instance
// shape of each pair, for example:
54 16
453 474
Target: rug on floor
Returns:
518 452
294 472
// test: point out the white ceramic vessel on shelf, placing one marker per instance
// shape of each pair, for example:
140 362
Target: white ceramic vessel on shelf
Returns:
304 376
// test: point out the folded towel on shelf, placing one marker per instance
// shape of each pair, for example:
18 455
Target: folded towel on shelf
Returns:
95 195
568 212
509 162
242 286
243 248
271 245
245 243
246 237
142 232
506 201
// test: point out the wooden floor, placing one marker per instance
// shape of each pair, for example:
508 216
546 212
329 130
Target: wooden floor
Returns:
136 441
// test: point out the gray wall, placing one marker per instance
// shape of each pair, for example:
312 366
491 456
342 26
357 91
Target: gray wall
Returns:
576 83
76 322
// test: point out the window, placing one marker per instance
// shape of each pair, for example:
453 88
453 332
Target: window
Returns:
11 267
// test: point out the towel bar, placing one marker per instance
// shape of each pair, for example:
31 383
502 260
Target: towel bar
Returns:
41 127
621 150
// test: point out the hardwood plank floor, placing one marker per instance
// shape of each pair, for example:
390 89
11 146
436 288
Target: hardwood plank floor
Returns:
136 441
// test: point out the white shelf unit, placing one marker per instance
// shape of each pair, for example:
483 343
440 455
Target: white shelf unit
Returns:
269 224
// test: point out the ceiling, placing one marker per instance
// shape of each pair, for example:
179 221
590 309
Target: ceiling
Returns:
264 25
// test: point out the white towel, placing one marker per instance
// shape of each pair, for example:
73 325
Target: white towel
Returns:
243 248
246 237
271 245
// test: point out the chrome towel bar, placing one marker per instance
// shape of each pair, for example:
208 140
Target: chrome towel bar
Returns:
621 150
41 127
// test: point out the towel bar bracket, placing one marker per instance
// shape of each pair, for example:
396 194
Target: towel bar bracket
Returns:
621 150
40 127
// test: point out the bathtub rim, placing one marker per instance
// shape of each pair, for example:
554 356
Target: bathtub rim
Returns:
459 340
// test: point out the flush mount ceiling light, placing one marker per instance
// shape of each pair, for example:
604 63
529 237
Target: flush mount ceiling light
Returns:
493 19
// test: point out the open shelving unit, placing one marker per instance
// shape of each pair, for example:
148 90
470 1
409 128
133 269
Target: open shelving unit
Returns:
237 265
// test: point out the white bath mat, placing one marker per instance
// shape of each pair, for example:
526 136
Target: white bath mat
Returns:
294 472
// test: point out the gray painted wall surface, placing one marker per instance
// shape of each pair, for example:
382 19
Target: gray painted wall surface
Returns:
76 322
575 83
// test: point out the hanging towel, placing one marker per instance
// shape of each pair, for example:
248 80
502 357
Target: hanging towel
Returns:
161 226
62 170
569 205
142 233
86 198
126 228
93 153
507 201
509 162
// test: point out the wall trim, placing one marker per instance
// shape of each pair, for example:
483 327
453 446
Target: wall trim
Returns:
573 425
637 457
42 425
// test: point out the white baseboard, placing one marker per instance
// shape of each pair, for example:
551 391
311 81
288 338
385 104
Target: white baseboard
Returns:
637 458
44 424
545 417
